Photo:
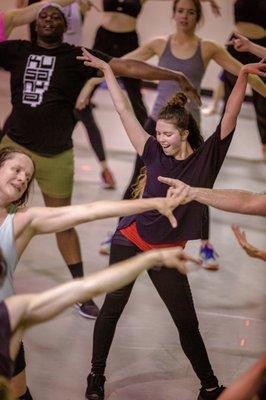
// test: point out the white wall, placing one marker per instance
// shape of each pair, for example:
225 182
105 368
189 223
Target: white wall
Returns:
156 21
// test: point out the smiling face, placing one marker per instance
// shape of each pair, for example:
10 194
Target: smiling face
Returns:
169 137
50 24
185 15
15 175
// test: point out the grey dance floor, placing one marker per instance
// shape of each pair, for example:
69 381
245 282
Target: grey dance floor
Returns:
146 360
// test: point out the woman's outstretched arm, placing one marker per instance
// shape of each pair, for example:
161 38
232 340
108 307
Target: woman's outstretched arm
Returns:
31 309
40 220
232 200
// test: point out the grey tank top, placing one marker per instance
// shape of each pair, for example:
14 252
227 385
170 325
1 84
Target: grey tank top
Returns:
7 246
192 67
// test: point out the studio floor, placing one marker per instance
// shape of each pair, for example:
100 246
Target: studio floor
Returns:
146 360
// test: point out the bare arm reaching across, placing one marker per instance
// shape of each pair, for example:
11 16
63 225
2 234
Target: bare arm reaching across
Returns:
247 385
31 309
232 200
39 220
141 70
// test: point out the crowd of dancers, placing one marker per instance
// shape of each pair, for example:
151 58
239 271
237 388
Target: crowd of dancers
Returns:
166 202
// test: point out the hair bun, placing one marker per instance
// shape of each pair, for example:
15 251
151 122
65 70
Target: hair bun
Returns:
179 99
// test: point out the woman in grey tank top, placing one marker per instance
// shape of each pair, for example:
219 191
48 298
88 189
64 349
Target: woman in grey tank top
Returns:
186 52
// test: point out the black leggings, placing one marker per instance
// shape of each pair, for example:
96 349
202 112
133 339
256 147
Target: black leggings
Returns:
149 127
174 290
258 100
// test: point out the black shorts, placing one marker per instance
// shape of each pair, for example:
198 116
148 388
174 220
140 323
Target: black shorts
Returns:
114 43
20 363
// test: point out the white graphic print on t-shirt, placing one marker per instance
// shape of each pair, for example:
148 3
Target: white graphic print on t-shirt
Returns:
37 76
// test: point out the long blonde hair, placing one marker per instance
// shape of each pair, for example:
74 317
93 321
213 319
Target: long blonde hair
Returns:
139 185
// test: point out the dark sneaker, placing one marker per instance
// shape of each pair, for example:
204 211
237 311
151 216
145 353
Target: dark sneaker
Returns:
210 395
209 257
88 309
95 388
108 181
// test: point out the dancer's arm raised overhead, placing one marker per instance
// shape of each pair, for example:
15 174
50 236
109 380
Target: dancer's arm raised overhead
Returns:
237 96
31 309
217 53
22 16
137 135
232 200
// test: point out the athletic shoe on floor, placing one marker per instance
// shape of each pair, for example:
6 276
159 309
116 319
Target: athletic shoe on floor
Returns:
95 388
105 246
210 395
88 309
108 181
209 257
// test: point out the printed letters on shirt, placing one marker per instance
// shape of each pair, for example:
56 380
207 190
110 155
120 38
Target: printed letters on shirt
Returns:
37 76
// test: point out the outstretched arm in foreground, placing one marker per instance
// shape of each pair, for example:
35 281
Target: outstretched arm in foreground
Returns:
38 220
232 200
28 310
247 385
249 248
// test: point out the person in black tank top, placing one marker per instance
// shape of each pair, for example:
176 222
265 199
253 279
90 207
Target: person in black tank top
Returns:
248 11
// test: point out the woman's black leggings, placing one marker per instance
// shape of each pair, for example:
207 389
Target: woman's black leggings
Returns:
258 100
174 290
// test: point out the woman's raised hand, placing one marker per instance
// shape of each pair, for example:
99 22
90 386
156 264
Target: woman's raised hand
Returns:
92 61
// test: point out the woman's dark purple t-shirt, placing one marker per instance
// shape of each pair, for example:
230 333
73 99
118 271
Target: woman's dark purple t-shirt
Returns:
200 169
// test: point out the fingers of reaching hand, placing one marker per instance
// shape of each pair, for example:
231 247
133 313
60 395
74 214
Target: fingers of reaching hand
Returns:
171 218
177 258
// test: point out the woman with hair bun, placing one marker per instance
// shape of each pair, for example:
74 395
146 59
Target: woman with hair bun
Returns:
185 51
177 151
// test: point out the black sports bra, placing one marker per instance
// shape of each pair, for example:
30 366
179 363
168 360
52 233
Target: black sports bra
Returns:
128 7
251 11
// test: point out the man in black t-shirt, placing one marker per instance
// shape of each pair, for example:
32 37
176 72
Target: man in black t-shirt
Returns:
46 79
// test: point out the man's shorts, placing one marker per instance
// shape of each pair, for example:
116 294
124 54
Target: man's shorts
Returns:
54 173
